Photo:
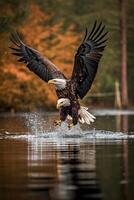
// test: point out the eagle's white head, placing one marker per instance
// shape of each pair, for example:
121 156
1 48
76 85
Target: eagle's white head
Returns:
58 82
63 102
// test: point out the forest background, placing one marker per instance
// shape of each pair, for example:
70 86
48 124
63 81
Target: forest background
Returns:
56 28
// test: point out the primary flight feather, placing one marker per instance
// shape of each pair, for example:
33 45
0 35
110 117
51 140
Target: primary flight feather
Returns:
68 91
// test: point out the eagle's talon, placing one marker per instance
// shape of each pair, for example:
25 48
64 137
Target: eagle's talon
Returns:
57 122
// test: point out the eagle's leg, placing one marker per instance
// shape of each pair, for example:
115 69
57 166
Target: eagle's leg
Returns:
75 115
63 116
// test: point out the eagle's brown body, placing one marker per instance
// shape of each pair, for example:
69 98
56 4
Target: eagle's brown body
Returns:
85 67
70 93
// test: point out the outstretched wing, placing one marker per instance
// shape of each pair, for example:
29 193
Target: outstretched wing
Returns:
87 58
40 65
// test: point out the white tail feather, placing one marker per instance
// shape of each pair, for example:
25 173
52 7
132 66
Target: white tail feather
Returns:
83 107
81 120
85 116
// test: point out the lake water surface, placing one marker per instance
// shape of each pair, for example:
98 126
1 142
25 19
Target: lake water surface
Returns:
41 162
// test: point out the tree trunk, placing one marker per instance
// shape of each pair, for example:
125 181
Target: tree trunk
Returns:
117 95
123 53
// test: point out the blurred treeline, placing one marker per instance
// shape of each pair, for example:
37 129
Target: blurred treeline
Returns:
56 28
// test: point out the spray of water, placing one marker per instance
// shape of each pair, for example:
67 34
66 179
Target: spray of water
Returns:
36 127
35 124
39 128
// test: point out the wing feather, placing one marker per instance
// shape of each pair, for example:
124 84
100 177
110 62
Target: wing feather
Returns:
87 58
38 64
96 31
94 26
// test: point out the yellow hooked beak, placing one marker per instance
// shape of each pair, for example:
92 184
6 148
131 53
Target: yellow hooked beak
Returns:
58 106
51 81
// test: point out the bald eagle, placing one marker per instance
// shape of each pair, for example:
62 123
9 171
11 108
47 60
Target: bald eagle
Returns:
69 91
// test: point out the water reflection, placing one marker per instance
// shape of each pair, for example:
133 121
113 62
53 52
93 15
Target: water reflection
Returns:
70 167
13 169
122 123
62 172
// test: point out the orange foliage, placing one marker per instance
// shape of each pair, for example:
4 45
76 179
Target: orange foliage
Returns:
49 41
20 75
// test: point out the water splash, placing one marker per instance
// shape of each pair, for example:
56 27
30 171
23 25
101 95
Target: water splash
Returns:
75 134
35 123
38 128
64 131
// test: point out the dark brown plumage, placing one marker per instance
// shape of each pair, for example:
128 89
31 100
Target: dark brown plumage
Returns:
37 63
87 58
85 67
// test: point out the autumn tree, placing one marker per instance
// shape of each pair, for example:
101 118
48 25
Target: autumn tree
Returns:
56 31
25 88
